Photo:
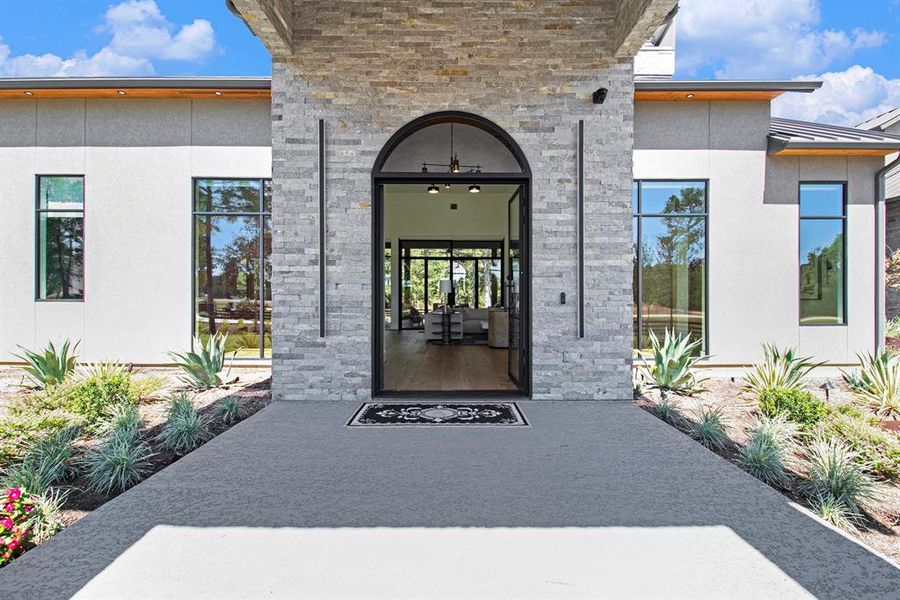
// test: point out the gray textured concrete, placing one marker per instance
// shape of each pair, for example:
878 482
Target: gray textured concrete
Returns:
594 499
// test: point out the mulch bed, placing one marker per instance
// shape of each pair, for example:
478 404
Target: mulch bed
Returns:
880 528
252 388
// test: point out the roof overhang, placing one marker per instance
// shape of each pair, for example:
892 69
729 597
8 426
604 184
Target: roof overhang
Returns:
688 90
136 87
789 137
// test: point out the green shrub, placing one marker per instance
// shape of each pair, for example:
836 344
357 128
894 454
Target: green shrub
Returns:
877 383
202 369
799 406
20 431
835 475
230 410
145 386
93 396
185 428
710 427
673 362
780 369
768 448
877 449
53 366
119 462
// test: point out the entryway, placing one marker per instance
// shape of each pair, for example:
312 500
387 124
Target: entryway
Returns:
451 256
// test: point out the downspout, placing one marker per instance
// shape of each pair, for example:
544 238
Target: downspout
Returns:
879 253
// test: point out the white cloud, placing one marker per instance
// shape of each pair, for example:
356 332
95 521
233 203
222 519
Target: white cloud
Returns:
762 38
846 98
140 35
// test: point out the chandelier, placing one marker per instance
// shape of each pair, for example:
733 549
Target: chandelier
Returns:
453 166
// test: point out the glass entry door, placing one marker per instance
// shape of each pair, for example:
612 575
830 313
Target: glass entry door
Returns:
514 288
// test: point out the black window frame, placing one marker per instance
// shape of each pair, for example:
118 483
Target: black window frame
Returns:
262 215
38 211
637 215
843 219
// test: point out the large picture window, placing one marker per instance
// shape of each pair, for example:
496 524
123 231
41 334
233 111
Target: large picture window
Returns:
232 272
670 224
60 237
823 273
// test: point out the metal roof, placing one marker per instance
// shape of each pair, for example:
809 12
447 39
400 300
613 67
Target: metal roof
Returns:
62 83
724 85
882 121
798 135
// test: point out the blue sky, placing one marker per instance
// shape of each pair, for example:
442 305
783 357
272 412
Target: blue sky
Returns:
131 37
852 45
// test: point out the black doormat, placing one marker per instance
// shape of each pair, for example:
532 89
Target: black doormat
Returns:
506 414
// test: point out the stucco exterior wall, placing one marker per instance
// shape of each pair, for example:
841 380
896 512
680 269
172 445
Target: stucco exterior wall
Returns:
754 226
137 157
530 68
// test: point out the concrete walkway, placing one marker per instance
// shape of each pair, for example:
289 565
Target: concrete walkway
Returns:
593 500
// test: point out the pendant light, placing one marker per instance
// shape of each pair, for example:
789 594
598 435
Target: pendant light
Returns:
454 167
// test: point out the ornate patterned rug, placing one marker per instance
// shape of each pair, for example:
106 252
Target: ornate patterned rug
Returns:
504 414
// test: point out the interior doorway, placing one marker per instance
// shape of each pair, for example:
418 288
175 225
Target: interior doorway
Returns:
451 279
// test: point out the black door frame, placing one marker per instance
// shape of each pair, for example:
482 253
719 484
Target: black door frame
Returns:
379 179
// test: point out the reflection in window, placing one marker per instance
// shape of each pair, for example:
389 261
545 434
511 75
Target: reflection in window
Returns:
822 268
232 275
60 243
669 259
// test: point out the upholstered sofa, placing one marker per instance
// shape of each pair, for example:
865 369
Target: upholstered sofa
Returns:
473 319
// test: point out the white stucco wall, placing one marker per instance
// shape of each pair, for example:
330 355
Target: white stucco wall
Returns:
137 157
754 229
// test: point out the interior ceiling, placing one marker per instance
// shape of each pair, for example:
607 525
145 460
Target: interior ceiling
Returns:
456 191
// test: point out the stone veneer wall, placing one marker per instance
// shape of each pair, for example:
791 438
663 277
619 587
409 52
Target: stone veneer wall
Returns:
530 66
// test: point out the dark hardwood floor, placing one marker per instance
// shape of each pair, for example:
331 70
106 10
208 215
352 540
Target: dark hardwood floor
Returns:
412 364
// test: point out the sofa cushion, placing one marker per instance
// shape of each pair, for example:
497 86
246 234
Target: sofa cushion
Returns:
475 314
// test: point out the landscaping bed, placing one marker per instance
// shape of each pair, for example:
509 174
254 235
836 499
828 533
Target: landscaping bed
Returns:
877 525
71 445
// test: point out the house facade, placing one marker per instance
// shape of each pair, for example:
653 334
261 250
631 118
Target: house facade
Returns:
529 174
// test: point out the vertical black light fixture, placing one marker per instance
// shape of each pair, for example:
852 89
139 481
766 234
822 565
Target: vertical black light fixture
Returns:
322 228
581 228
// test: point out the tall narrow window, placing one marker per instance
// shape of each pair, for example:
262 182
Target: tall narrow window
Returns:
232 273
823 273
60 237
669 259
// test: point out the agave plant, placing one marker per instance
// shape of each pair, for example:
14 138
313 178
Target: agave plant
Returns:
877 383
673 362
51 367
780 368
202 369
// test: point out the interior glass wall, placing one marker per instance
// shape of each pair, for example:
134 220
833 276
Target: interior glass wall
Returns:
474 267
670 224
232 271
823 218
